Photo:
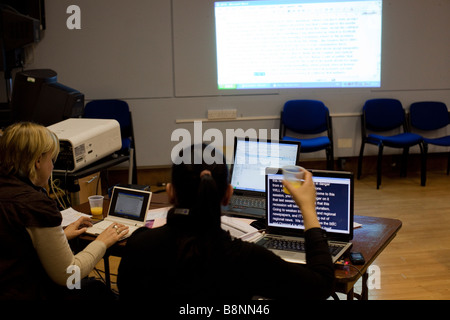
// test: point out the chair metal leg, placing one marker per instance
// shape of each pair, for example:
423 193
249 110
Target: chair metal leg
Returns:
380 157
330 158
423 169
448 164
360 159
130 166
404 164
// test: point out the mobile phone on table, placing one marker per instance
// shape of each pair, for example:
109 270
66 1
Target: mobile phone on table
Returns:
357 258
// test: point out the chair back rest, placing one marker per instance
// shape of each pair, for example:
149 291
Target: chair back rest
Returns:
383 114
305 116
111 109
429 115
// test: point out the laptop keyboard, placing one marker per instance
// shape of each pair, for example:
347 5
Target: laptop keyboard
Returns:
292 245
243 201
104 224
298 245
334 248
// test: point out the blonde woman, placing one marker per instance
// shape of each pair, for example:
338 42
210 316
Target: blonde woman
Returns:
34 252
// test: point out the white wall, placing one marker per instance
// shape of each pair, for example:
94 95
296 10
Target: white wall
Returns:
159 56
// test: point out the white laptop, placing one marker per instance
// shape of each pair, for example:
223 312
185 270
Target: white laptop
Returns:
334 207
251 158
128 207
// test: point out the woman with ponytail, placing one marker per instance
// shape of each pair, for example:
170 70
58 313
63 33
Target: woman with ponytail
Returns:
192 258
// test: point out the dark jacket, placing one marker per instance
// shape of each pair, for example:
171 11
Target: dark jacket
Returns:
23 205
159 264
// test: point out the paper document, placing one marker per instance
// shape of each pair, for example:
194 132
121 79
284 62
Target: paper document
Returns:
71 215
158 213
240 228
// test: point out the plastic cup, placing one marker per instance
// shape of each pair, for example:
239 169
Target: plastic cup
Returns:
293 174
96 204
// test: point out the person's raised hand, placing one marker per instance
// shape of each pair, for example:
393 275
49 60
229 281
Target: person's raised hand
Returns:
305 197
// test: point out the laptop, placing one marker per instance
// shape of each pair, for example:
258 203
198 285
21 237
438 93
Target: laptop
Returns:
334 207
128 207
251 158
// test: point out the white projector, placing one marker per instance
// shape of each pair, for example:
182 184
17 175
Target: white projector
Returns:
85 141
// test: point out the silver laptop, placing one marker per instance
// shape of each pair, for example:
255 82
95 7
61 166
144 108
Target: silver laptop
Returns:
128 207
251 158
334 207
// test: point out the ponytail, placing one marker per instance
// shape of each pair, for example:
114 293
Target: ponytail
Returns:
207 209
199 190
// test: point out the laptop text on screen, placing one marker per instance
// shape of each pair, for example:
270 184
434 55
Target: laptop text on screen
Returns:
253 157
129 205
334 207
333 204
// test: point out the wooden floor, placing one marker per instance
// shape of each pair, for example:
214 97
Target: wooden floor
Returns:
416 264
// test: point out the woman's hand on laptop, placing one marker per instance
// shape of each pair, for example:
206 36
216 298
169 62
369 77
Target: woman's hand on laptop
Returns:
112 234
78 227
305 197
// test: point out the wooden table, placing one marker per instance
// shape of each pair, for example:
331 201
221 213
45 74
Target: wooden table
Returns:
370 239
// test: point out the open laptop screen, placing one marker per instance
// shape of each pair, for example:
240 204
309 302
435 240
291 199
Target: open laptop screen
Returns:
129 203
334 203
251 157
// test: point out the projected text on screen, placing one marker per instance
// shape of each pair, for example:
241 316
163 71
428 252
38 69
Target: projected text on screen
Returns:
298 44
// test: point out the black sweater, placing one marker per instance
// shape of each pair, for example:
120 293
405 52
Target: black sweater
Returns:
160 264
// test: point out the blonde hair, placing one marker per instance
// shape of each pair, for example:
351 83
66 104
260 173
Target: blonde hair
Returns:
22 144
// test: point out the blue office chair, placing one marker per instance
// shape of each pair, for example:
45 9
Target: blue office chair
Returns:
430 116
308 117
118 110
382 115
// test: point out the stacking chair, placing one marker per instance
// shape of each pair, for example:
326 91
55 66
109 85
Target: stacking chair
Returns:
308 117
431 116
118 110
384 116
